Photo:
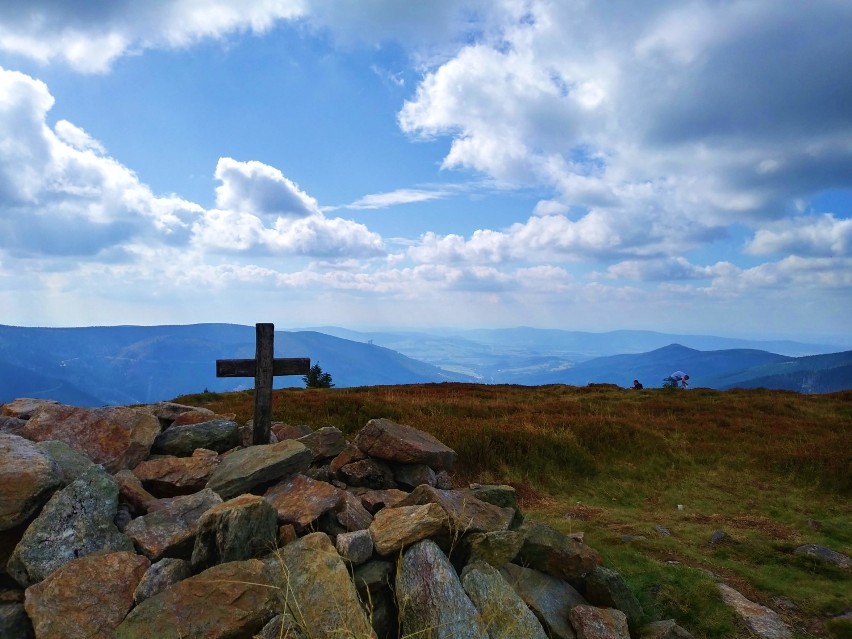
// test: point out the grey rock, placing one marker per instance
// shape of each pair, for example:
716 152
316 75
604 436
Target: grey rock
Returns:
549 598
14 622
606 588
12 425
28 476
552 552
762 621
591 622
467 514
71 463
325 442
257 467
412 475
496 548
180 441
394 442
826 554
718 536
499 495
373 576
161 575
355 547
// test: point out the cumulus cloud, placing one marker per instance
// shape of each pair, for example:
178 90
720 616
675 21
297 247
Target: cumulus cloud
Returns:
822 236
668 269
261 190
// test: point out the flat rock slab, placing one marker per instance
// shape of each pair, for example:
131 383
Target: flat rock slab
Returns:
375 500
28 475
87 597
114 436
467 514
548 597
325 442
395 528
216 434
170 531
259 466
552 552
77 521
388 440
235 599
301 500
762 621
171 476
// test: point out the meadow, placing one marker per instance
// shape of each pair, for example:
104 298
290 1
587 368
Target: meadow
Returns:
648 476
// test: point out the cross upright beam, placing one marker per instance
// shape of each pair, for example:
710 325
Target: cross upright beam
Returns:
263 368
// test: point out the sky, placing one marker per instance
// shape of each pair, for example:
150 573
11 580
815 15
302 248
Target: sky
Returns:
674 165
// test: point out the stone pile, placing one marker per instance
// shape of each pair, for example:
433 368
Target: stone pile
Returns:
158 522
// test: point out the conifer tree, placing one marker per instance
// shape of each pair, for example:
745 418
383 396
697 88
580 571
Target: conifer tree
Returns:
317 378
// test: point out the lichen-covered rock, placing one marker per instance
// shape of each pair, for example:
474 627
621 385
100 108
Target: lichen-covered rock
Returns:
71 462
431 599
300 500
77 521
86 597
170 476
161 575
555 553
28 475
499 495
394 442
496 548
230 600
114 436
394 528
320 594
466 513
599 623
170 531
606 588
762 621
548 597
258 467
241 528
504 613
180 441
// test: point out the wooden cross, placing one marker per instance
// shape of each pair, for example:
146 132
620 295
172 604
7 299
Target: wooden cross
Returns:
263 368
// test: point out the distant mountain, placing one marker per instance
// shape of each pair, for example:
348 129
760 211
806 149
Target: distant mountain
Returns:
139 364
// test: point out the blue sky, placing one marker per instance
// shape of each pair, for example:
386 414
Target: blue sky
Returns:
668 165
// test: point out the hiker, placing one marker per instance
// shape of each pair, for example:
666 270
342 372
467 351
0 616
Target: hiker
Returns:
679 376
637 385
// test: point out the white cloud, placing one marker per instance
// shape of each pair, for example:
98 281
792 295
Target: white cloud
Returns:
395 198
819 236
669 269
261 190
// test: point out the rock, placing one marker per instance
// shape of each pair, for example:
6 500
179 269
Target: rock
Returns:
375 500
762 621
826 554
549 598
599 623
499 495
355 547
350 514
554 553
350 453
718 536
501 609
11 425
131 491
286 534
86 597
394 528
319 591
662 530
443 480
606 588
667 629
14 622
394 442
24 407
170 531
71 463
168 412
495 548
161 575
28 475
257 467
77 521
320 473
369 473
467 514
431 599
412 475
241 528
230 600
282 626
199 416
171 476
216 434
301 500
113 436
289 431
373 576
325 443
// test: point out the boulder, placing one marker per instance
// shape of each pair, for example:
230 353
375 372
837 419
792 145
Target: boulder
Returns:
375 500
496 548
350 453
549 598
161 575
168 412
257 467
825 554
170 531
230 600
199 416
77 521
499 495
606 588
412 475
369 473
171 476
762 621
284 431
14 622
350 514
466 513
394 528
431 599
114 436
301 500
355 547
24 407
394 442
555 553
241 528
599 623
325 442
319 592
28 475
504 613
86 597
132 493
71 463
11 425
216 434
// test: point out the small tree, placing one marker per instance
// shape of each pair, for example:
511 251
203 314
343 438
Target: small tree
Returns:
316 378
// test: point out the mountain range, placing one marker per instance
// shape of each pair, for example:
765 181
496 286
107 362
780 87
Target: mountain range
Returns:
95 366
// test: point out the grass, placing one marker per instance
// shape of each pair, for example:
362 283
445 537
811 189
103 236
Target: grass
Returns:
772 469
